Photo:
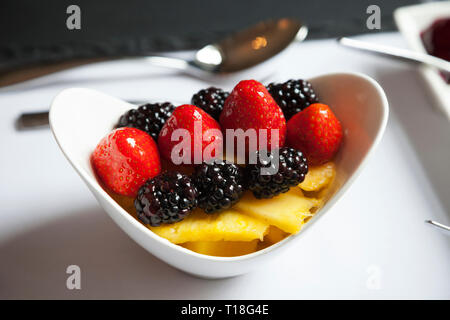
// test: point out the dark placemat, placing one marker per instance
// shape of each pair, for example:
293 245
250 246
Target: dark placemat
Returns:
35 32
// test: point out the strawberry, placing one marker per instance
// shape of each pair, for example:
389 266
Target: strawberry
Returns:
192 135
250 106
316 132
125 159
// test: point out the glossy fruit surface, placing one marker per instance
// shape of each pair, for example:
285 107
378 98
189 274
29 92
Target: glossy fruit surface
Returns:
125 159
194 134
317 132
250 106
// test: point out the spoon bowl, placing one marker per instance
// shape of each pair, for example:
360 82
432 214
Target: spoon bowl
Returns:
249 47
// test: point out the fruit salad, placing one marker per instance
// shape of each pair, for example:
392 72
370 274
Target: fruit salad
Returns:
229 174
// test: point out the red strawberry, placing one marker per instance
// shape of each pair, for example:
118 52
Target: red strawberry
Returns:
316 132
198 131
125 159
250 106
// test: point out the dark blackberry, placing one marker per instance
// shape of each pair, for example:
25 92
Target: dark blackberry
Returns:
291 171
219 185
149 117
167 198
293 96
211 100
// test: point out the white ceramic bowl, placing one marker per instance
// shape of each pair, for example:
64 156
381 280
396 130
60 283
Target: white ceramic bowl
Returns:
411 21
358 101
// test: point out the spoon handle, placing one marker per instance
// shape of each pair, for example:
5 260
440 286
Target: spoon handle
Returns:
20 75
408 55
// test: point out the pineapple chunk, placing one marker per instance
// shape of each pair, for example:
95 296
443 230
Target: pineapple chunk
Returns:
318 177
229 225
222 248
286 211
274 235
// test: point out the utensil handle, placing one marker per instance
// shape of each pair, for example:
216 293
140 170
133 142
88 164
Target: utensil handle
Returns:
166 62
32 120
33 72
35 120
440 226
403 54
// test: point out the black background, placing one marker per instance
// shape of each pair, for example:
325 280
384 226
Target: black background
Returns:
35 31
278 309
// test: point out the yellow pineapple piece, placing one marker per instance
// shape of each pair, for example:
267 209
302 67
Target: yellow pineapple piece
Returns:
274 235
236 231
318 177
222 248
228 225
285 211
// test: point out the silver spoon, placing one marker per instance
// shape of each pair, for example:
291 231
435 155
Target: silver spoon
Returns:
239 51
403 54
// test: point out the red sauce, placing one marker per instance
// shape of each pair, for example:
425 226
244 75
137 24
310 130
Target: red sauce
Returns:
436 40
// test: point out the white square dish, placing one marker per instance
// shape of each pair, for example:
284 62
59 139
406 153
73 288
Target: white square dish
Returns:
357 100
411 21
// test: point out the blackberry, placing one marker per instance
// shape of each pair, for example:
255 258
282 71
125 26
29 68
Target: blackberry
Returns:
219 185
149 117
167 198
291 171
293 96
211 100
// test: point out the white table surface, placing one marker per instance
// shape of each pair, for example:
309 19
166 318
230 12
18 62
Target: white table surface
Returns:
373 244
